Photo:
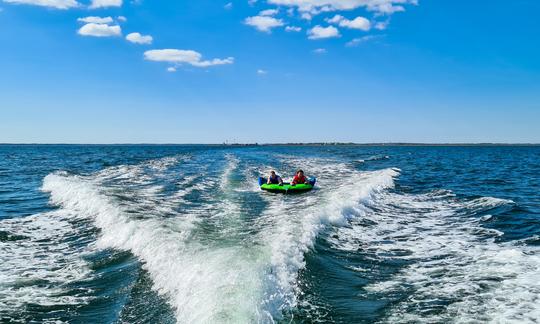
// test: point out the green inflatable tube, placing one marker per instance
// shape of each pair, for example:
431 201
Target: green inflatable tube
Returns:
286 187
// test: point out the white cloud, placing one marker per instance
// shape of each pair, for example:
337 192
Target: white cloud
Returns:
171 69
293 29
269 12
361 40
96 20
58 4
306 16
262 72
382 25
105 3
319 32
263 23
121 18
334 20
100 30
228 6
387 8
318 6
137 38
357 23
320 51
180 57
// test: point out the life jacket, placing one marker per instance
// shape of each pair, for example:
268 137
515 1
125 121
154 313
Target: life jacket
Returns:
299 179
274 180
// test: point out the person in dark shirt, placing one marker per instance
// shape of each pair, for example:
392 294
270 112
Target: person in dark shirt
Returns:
274 179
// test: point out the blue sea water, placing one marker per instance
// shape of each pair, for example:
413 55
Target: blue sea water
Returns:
165 234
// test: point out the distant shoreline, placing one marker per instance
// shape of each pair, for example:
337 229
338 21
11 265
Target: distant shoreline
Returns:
276 144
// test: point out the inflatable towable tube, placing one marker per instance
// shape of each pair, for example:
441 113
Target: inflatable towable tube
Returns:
286 187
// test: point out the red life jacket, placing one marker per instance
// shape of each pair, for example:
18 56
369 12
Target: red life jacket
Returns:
299 179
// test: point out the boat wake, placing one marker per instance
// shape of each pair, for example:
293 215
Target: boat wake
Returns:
455 268
219 250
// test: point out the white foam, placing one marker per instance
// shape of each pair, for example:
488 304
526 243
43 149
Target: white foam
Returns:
251 280
46 257
38 267
453 258
254 277
291 231
203 283
377 157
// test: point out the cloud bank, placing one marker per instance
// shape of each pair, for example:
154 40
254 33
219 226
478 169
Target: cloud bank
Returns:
319 32
100 30
137 38
105 3
357 23
317 6
57 4
180 57
264 23
96 20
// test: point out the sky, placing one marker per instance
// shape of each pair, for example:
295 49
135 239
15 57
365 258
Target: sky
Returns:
269 71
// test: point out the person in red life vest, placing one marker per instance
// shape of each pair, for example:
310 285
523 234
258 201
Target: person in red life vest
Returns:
299 178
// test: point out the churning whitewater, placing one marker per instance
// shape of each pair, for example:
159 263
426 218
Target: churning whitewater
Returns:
188 237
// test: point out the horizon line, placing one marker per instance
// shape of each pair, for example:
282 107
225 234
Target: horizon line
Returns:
292 144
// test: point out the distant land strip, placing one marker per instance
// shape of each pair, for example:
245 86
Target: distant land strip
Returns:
273 144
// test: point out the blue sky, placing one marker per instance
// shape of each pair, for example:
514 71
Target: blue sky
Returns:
269 71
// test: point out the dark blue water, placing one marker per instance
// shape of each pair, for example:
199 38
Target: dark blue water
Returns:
164 234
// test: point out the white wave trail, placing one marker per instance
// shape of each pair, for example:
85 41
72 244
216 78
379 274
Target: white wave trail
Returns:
39 266
458 271
203 285
250 280
45 258
294 230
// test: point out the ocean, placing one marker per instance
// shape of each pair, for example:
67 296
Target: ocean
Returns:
183 234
